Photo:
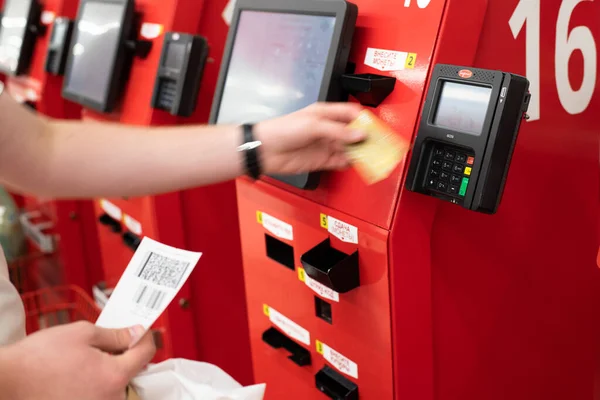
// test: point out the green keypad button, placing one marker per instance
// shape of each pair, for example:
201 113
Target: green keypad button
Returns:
463 187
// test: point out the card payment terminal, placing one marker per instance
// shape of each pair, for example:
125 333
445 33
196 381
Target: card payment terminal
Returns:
467 134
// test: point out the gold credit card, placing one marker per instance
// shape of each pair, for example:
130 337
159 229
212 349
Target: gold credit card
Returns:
380 153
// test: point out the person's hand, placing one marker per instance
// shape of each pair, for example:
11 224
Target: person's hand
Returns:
311 139
75 361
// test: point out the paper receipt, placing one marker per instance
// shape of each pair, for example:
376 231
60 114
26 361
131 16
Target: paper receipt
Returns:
150 282
380 153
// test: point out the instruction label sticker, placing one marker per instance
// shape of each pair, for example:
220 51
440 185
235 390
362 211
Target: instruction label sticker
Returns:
288 326
277 227
47 17
150 31
132 224
389 60
113 211
343 231
339 361
317 287
227 14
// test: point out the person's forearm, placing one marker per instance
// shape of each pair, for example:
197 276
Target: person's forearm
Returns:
7 389
89 159
128 161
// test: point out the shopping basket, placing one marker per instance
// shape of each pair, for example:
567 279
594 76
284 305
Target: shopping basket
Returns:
54 306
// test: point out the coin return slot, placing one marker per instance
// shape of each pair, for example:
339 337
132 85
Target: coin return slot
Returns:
274 338
280 252
331 267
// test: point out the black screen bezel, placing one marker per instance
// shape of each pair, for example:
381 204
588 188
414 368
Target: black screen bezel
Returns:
336 61
118 67
29 39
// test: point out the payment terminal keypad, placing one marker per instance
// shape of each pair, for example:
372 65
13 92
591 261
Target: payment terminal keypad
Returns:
449 170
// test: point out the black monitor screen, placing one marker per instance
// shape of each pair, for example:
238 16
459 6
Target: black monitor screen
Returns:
96 39
14 23
463 107
175 55
277 65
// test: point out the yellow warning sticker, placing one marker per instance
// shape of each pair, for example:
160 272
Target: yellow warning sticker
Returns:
411 60
319 347
301 274
259 218
324 221
266 310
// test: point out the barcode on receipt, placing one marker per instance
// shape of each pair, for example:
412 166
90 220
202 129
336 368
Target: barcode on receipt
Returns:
162 270
149 297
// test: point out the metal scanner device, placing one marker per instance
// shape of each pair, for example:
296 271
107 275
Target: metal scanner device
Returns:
467 134
56 59
179 73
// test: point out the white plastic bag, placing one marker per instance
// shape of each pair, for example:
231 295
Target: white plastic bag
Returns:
180 379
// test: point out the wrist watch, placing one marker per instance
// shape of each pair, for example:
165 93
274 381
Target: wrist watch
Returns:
250 147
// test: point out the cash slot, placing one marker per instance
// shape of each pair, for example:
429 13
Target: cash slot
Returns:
280 252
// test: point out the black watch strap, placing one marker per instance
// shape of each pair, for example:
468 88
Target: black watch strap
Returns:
250 148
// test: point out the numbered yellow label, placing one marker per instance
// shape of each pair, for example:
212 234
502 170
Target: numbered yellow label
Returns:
266 310
301 274
259 217
319 347
411 60
324 221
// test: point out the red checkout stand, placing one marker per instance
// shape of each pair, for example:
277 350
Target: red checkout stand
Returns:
153 67
31 33
454 278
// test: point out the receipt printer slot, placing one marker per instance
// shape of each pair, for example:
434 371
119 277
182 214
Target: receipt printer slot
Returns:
335 386
274 338
331 267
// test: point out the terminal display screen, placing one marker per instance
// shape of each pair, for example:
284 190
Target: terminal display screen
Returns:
175 55
93 55
462 107
14 23
277 65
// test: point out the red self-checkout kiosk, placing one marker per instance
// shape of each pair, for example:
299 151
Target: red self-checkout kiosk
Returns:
436 283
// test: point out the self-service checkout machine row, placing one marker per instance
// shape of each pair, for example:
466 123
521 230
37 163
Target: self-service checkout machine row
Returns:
62 233
422 286
142 63
148 69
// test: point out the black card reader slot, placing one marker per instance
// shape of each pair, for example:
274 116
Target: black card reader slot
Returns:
109 221
58 50
131 240
274 338
335 386
179 74
280 252
331 267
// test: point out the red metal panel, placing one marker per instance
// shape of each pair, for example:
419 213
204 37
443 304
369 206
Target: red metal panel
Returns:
514 307
360 329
